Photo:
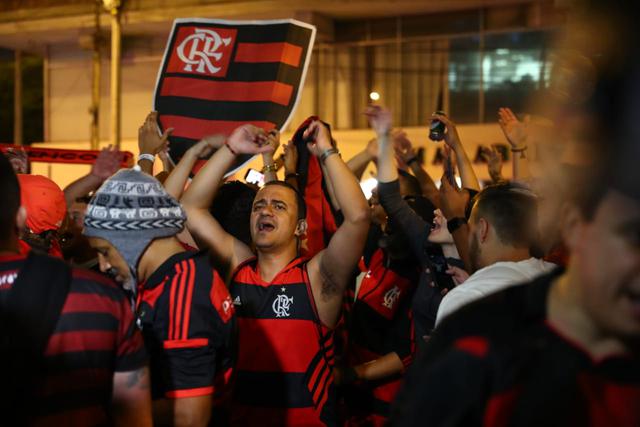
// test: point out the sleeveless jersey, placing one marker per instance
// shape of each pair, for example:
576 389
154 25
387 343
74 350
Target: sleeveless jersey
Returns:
285 355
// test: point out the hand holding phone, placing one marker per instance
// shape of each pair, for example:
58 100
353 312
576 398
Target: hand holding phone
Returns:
254 177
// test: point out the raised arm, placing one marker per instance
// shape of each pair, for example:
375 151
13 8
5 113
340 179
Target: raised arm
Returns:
494 163
358 163
388 187
246 139
453 205
290 160
176 181
405 152
452 139
269 167
131 399
106 164
517 135
331 269
150 142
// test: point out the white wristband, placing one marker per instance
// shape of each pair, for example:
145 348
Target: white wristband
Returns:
146 156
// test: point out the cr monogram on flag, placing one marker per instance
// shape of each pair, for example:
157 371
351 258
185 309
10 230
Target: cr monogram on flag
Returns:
202 47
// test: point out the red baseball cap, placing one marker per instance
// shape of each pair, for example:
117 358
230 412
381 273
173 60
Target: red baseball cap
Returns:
44 202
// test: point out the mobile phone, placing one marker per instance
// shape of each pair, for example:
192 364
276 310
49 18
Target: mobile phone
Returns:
448 170
254 177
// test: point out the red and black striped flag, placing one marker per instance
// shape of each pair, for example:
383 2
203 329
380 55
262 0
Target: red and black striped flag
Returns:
217 75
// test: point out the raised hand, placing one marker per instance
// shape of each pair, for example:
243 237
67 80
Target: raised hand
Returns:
107 163
18 159
207 145
453 202
290 157
273 139
380 119
402 146
249 139
493 157
149 139
321 138
514 130
451 137
373 149
457 274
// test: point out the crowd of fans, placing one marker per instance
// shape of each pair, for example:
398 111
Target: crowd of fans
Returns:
191 300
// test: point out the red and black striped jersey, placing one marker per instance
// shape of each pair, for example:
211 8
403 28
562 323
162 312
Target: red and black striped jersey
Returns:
95 336
188 326
499 362
285 355
380 322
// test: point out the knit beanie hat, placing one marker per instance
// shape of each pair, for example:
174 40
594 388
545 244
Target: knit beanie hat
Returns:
129 211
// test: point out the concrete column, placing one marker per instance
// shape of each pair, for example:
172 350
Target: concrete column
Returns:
17 99
114 9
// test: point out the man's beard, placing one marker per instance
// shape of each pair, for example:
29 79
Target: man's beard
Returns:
474 254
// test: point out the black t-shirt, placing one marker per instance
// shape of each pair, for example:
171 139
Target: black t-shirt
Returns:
499 362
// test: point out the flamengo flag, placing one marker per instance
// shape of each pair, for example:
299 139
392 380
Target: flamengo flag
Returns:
217 75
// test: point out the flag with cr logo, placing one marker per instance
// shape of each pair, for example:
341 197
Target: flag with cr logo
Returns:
217 75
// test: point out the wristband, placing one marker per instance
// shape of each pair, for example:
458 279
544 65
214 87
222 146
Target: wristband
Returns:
454 223
146 156
269 168
326 153
226 144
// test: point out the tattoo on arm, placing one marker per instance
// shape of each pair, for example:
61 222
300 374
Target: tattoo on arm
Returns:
138 379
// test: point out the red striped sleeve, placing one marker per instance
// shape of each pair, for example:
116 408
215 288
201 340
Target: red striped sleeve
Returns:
92 303
172 301
89 340
188 299
192 392
180 301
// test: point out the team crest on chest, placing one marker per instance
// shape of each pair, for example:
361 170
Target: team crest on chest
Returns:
282 304
391 297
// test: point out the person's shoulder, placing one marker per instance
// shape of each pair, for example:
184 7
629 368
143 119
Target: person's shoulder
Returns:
88 284
503 310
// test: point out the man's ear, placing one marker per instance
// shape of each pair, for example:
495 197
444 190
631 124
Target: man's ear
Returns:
301 228
483 228
21 218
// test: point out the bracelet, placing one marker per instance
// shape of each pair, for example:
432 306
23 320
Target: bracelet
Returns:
327 153
518 149
146 156
226 144
291 175
269 168
411 160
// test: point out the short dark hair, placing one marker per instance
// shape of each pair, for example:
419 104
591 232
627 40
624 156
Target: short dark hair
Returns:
512 210
302 207
232 209
9 198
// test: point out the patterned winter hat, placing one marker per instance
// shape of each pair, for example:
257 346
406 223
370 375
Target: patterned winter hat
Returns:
129 211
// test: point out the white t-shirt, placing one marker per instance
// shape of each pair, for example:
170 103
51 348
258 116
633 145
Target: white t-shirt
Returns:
490 279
